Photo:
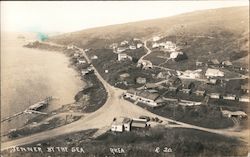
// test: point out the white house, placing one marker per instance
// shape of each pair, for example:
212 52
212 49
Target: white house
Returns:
81 61
123 56
229 114
94 57
244 99
121 49
215 95
139 45
132 47
156 38
145 64
123 43
190 74
143 97
174 55
229 97
213 73
121 124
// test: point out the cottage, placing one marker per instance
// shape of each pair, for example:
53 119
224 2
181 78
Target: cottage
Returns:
244 99
186 91
70 47
245 88
230 114
141 80
214 95
94 57
84 72
227 63
200 92
113 46
173 89
150 86
229 97
214 62
177 56
156 38
145 64
123 56
121 49
124 76
139 45
132 47
76 55
199 63
212 81
139 123
121 124
81 61
190 74
123 43
144 97
148 98
213 73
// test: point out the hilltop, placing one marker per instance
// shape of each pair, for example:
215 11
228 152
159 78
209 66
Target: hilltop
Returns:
232 20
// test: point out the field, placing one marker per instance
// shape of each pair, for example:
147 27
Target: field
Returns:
182 142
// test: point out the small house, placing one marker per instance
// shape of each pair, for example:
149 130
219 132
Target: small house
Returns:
199 63
132 47
186 91
121 49
200 92
227 63
141 80
150 86
212 81
145 64
229 97
178 56
229 114
214 62
123 56
121 124
214 95
156 38
213 73
139 45
139 123
244 99
94 57
245 88
123 43
81 61
124 76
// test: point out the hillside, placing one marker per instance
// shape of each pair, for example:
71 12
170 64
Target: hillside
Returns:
208 22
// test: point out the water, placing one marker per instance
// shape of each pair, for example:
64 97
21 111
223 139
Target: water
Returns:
30 75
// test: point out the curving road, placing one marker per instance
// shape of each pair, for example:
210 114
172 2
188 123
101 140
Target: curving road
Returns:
102 118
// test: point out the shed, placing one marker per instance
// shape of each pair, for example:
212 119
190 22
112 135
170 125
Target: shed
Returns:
141 80
139 123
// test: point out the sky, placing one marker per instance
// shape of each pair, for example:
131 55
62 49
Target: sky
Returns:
68 16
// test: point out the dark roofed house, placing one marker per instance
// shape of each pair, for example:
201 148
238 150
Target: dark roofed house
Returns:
214 62
245 88
139 123
144 97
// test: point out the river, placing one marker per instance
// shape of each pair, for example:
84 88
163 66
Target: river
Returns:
30 75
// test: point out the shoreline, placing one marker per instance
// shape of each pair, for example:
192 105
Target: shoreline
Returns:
84 100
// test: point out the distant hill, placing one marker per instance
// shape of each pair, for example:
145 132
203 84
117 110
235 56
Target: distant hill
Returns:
234 19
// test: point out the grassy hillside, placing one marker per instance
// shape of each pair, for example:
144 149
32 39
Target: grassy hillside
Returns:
208 22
